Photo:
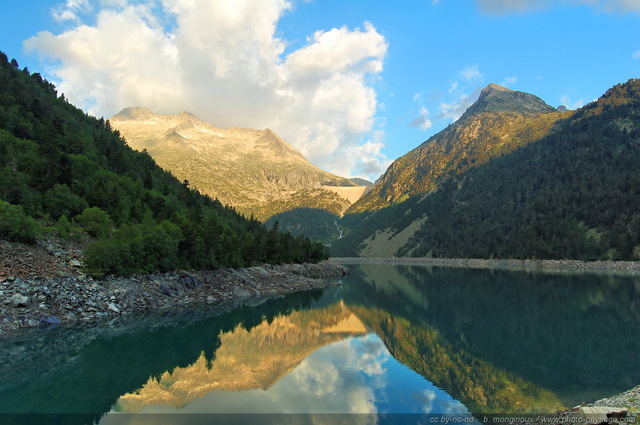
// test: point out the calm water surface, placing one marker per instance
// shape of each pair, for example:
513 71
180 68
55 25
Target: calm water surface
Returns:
391 344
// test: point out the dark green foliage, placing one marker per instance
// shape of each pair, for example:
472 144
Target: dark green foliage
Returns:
15 225
58 163
95 222
316 224
63 226
61 201
573 194
138 248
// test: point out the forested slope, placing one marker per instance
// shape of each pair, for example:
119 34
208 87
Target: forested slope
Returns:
573 194
499 122
64 171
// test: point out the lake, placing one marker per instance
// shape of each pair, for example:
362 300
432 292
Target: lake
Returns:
387 344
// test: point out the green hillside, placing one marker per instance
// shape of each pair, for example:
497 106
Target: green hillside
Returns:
315 223
499 122
64 171
575 193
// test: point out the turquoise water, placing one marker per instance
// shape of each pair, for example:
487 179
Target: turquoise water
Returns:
391 344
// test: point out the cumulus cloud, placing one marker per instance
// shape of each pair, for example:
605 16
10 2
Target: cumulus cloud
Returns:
225 62
454 110
571 104
422 121
500 7
70 10
472 73
509 81
365 160
464 90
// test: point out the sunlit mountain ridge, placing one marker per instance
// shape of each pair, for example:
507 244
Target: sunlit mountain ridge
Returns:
255 171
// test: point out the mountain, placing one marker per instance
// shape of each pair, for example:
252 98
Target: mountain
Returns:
248 359
64 172
361 182
500 121
255 171
495 98
571 192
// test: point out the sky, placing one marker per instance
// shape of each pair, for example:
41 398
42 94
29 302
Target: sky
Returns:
352 84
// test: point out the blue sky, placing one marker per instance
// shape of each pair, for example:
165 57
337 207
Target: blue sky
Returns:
352 84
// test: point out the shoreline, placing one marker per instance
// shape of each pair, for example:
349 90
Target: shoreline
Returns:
555 266
79 300
45 302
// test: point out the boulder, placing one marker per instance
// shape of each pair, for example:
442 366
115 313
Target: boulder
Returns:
19 300
75 263
50 322
189 282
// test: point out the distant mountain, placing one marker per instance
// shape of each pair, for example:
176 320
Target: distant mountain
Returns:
495 98
361 182
569 189
500 121
254 171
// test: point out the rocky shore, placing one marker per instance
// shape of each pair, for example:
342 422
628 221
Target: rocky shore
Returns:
44 286
623 408
572 266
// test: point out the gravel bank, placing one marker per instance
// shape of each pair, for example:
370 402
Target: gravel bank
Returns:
620 409
43 286
629 400
618 267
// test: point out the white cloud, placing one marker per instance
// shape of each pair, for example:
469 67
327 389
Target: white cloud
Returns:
613 5
510 6
500 7
509 81
225 62
454 110
569 104
428 396
464 90
471 74
422 121
636 54
365 160
70 10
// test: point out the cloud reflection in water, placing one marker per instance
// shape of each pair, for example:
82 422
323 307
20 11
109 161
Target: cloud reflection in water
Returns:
354 375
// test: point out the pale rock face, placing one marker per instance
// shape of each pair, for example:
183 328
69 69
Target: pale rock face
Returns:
254 171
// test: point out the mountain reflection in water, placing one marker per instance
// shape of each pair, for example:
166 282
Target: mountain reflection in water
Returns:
390 340
309 361
502 341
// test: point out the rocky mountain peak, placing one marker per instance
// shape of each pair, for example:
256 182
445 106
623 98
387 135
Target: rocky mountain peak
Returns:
134 113
142 114
256 171
493 88
496 98
499 122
